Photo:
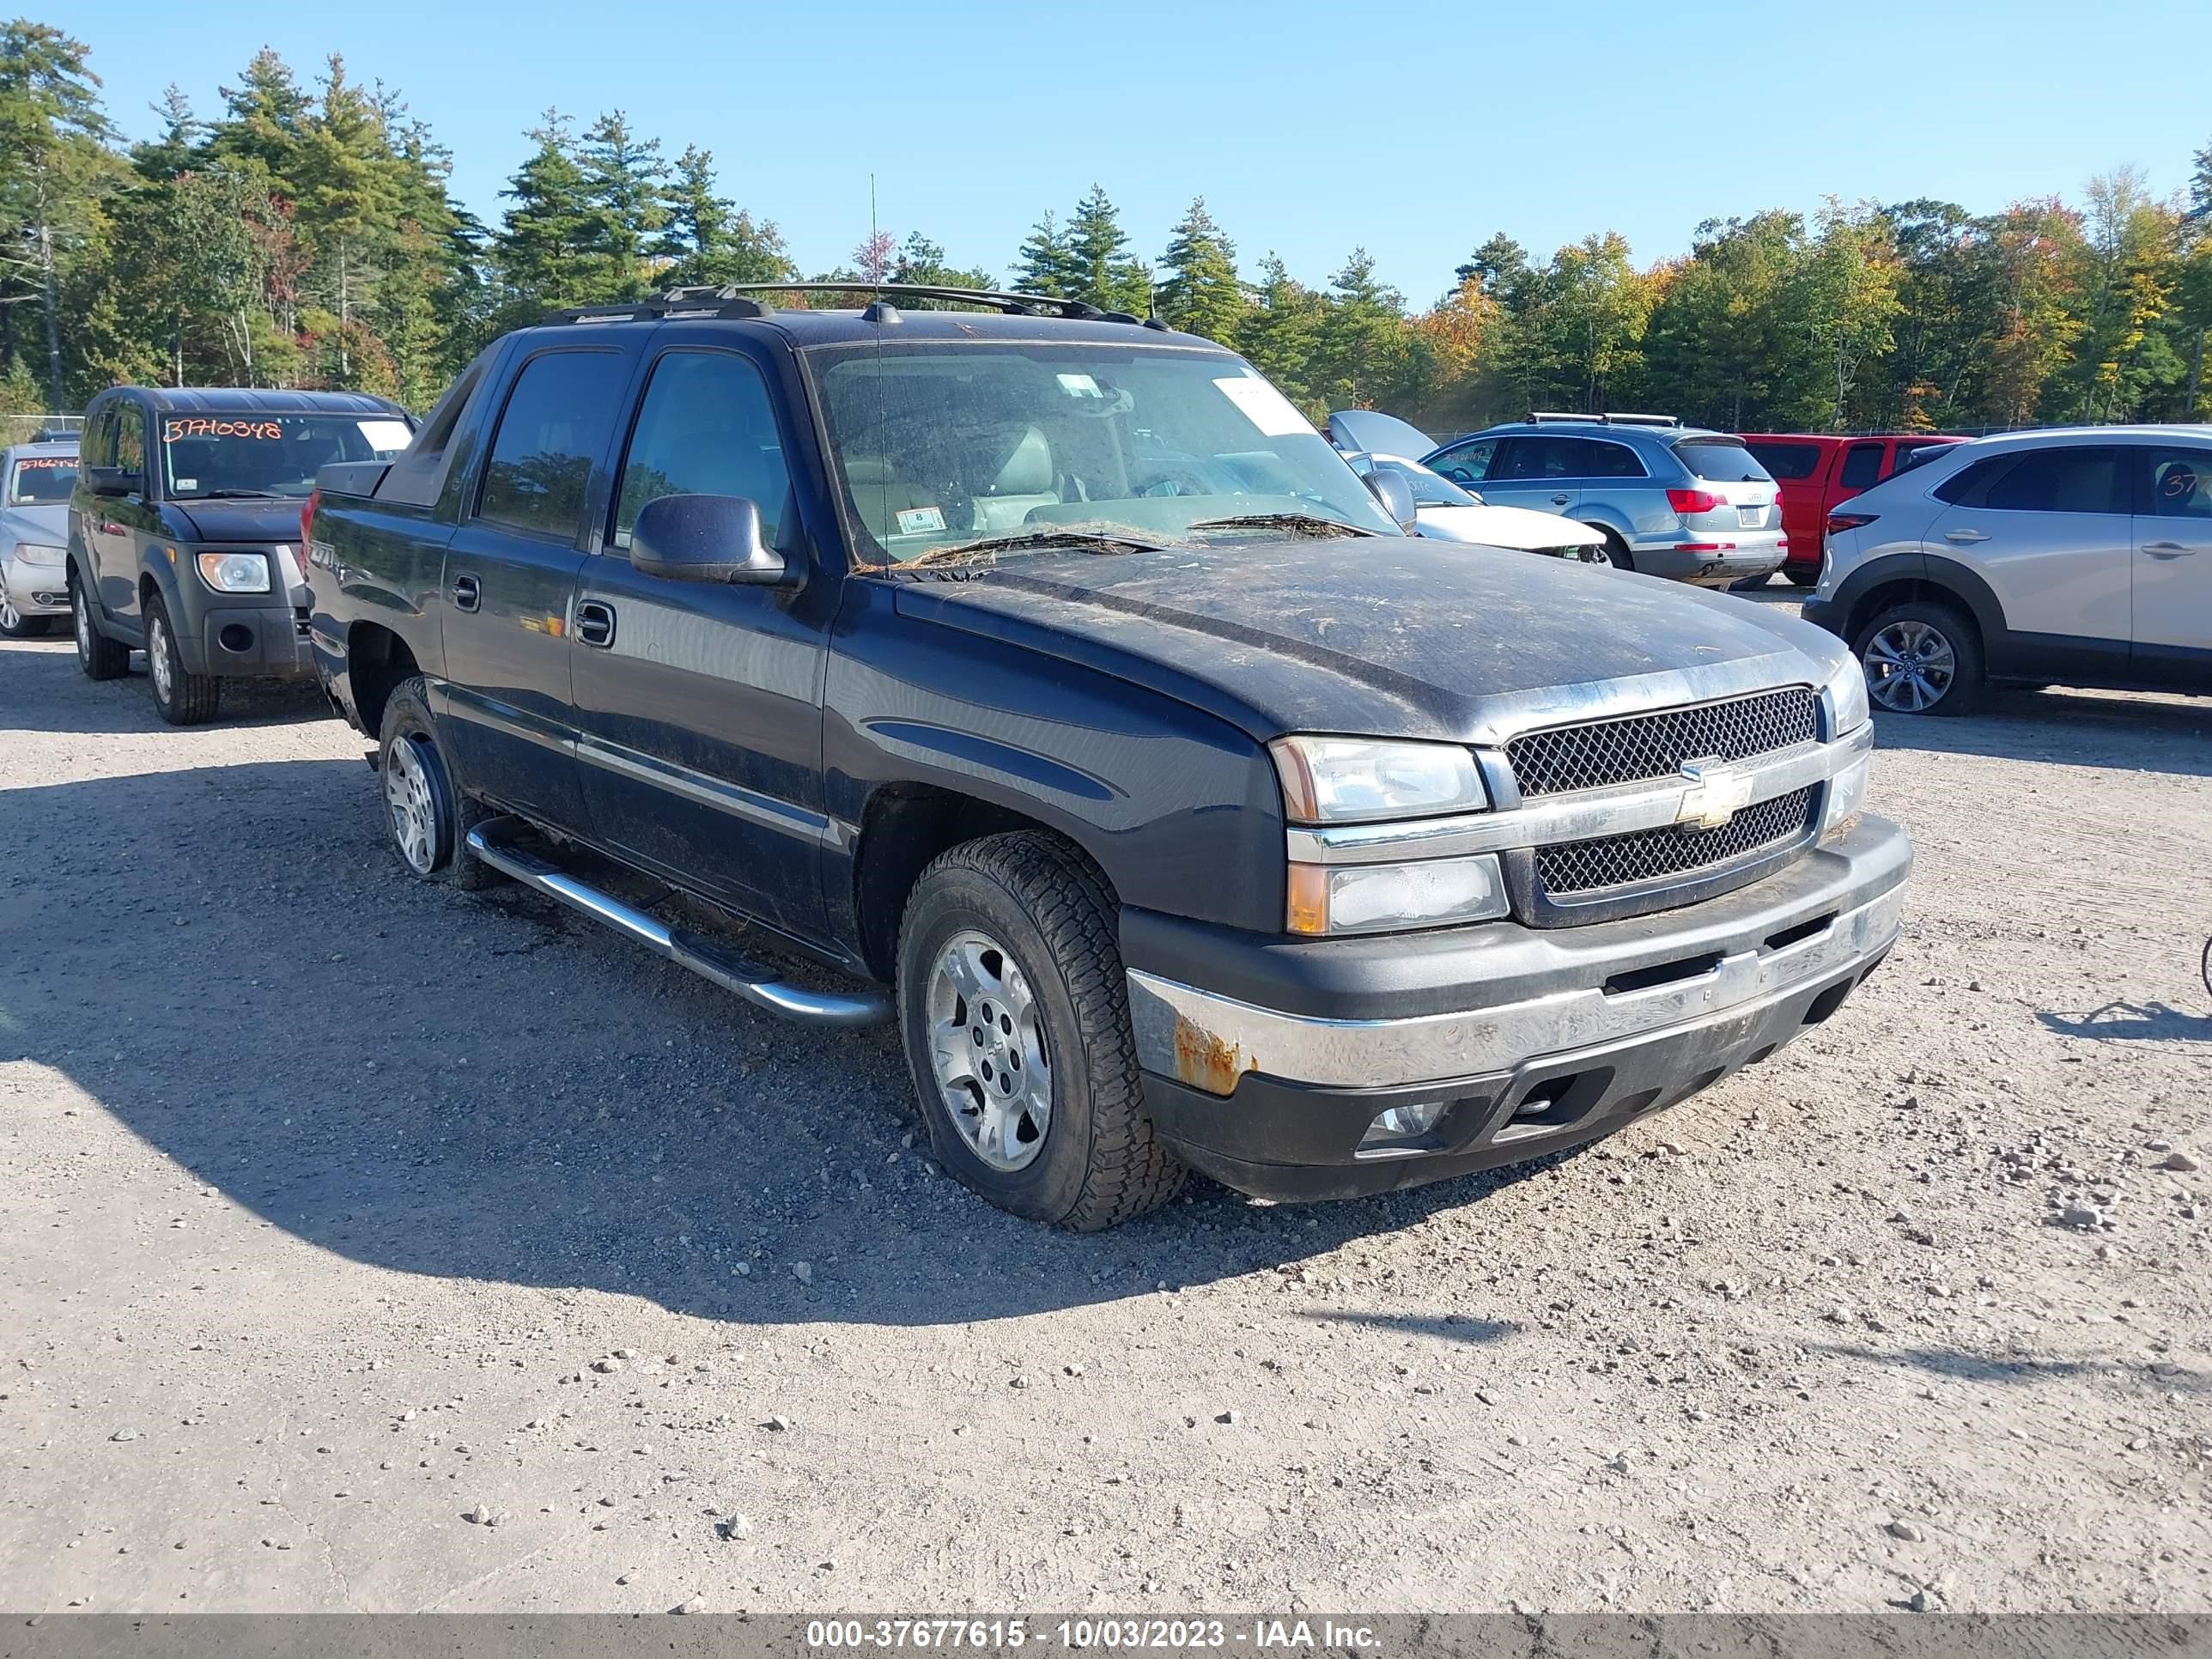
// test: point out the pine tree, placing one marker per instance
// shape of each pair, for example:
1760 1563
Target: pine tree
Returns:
52 150
1100 269
348 200
545 239
626 187
264 115
1047 262
922 263
166 156
1281 334
710 240
1203 294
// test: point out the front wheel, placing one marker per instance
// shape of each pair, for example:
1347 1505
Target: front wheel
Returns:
15 625
1920 658
1015 1012
180 696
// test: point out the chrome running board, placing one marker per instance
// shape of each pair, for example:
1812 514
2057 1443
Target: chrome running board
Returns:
493 841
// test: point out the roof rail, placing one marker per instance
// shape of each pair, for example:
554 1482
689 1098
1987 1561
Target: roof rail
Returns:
706 301
1539 416
734 300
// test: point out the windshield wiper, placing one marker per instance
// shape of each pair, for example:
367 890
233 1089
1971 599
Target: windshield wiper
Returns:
233 495
1091 541
1297 523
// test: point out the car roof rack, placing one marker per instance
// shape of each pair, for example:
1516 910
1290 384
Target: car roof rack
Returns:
736 300
1539 416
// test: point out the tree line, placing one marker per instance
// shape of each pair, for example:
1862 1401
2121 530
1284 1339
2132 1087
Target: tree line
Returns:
305 233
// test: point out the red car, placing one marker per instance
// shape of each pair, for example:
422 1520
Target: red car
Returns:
1818 469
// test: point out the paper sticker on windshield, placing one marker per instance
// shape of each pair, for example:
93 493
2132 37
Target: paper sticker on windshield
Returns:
36 463
1080 386
384 434
1265 407
199 426
916 520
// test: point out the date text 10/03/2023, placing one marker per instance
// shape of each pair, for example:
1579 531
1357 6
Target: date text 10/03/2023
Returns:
1086 1635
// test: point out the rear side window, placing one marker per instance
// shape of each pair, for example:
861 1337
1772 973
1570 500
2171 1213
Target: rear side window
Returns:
552 432
1787 461
1862 466
1721 461
2058 481
1612 461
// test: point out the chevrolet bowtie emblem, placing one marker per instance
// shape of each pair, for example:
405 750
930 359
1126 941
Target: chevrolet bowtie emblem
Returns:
1715 794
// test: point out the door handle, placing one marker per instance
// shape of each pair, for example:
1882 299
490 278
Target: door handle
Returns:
595 624
1561 501
466 594
1964 536
2167 550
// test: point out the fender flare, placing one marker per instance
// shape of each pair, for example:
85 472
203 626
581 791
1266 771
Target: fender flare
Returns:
190 646
1961 582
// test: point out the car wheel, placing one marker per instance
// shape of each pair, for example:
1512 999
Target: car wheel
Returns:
1923 658
15 625
1804 578
425 813
101 658
1015 1012
1613 551
180 696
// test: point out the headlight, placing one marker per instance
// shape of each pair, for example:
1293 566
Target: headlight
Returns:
1846 795
1375 899
1846 696
1353 781
38 553
235 573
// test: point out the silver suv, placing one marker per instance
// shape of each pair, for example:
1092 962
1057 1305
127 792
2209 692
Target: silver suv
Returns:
1671 500
2066 556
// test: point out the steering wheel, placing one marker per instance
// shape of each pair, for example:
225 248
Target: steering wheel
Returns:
1175 481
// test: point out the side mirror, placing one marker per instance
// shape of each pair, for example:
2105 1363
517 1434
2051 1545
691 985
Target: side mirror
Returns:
1396 495
114 481
704 538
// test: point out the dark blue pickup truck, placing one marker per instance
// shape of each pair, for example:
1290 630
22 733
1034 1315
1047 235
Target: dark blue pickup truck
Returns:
1043 677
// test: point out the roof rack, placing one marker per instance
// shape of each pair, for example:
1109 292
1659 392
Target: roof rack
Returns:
1539 416
734 300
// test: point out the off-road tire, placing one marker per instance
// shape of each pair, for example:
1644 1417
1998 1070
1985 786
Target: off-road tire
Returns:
407 720
192 699
1100 1164
101 658
1958 632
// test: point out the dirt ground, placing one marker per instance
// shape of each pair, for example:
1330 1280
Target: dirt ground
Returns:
367 1246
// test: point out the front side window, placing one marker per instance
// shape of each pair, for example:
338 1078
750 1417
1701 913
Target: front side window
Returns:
706 428
1545 458
1469 463
551 434
42 480
130 439
940 445
247 453
2181 483
2058 481
1862 466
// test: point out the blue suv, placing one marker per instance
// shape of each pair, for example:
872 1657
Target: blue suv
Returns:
1671 500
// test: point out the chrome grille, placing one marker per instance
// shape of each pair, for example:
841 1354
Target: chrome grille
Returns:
1639 746
1613 862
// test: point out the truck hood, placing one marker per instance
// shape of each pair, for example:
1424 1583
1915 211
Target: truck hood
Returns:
1386 637
276 520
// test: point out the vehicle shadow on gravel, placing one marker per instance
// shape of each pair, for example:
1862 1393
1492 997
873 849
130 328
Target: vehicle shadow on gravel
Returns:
2130 1022
47 675
2010 1370
228 960
2135 733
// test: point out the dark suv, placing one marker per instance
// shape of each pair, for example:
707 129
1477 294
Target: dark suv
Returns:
184 527
1046 681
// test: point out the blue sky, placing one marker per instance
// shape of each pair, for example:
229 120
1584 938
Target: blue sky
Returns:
1415 130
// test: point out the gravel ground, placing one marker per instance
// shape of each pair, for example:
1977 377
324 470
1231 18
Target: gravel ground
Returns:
367 1246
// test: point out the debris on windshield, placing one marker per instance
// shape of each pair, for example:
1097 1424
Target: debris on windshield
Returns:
1296 524
987 550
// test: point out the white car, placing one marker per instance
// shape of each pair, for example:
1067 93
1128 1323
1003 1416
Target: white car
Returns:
1445 511
35 481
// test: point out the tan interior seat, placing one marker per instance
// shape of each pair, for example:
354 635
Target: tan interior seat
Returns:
1022 481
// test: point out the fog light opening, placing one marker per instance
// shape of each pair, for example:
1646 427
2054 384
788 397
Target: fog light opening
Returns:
236 636
1400 1129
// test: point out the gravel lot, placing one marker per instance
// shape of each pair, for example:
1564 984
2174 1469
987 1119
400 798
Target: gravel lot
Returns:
367 1246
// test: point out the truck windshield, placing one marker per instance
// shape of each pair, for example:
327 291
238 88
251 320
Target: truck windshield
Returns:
42 480
249 453
938 445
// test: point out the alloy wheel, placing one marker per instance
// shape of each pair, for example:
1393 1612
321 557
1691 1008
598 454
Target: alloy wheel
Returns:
10 619
413 806
81 615
157 658
986 1040
1910 667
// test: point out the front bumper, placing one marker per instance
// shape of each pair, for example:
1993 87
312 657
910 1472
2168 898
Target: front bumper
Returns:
1825 613
258 640
35 590
1533 1040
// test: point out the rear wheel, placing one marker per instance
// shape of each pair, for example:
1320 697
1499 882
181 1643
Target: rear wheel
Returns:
1613 550
1920 658
101 658
425 813
1015 1011
180 696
